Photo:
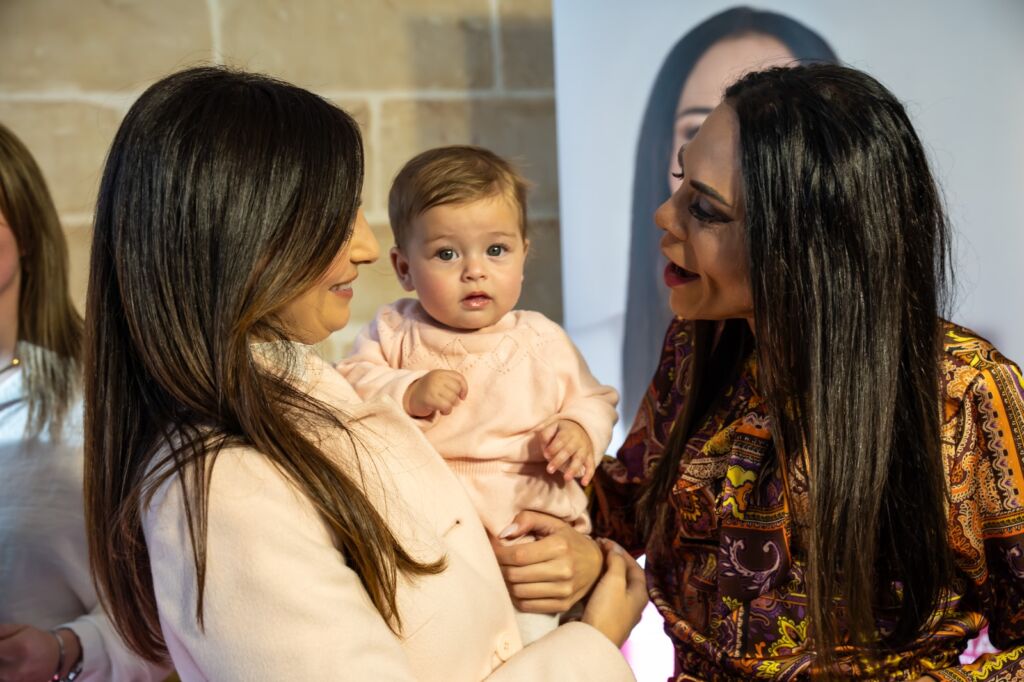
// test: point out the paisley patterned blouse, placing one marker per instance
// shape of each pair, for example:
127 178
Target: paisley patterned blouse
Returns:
731 587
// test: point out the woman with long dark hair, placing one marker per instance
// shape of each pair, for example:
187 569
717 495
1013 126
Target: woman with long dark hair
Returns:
50 622
687 87
248 515
826 476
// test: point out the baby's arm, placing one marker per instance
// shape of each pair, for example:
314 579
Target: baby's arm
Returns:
374 365
587 413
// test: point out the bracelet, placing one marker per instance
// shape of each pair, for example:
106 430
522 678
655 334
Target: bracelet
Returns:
76 669
60 656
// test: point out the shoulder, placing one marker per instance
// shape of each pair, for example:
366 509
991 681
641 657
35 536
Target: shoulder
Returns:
403 309
973 368
533 323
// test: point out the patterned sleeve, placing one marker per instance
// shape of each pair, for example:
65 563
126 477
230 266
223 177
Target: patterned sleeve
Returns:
619 481
984 440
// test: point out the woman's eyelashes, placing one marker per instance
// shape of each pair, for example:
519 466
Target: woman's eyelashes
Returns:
701 210
678 175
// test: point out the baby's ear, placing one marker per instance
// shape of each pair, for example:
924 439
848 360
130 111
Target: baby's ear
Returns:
526 246
401 265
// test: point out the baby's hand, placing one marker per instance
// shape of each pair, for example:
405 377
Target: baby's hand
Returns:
567 448
438 390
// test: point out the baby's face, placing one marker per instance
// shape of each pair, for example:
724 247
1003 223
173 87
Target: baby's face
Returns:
465 261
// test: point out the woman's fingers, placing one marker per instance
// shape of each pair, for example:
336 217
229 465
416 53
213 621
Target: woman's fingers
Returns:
532 523
543 605
530 554
615 605
541 590
555 570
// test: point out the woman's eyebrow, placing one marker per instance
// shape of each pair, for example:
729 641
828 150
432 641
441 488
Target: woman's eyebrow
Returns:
693 110
710 191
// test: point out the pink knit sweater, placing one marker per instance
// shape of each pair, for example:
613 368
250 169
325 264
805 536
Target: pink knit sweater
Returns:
523 373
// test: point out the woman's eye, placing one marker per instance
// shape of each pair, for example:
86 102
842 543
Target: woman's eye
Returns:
496 250
703 212
446 254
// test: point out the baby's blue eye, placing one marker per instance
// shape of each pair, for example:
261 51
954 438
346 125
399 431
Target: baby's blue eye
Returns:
495 250
446 254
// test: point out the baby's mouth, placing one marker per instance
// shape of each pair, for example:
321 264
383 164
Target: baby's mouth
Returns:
477 299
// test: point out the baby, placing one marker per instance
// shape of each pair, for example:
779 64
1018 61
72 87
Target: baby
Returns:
502 394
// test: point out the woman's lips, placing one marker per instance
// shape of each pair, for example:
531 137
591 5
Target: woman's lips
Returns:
676 276
343 290
476 301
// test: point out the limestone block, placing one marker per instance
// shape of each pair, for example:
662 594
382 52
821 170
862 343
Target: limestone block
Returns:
360 111
113 45
362 44
69 140
527 44
542 288
522 130
79 238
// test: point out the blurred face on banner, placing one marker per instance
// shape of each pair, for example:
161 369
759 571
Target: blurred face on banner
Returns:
724 63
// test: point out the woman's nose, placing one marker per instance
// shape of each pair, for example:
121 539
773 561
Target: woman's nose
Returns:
665 220
365 248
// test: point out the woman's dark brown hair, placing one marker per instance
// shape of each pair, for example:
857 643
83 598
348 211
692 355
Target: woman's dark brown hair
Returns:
848 249
49 326
225 195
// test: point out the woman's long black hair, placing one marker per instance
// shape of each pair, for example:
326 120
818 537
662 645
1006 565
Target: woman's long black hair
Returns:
848 249
647 311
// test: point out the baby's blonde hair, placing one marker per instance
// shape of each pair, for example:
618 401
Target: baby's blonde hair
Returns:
452 175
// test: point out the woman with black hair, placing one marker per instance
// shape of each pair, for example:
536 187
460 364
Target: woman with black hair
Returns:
688 86
826 477
248 515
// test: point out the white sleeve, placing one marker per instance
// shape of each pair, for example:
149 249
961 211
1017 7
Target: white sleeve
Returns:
574 652
106 657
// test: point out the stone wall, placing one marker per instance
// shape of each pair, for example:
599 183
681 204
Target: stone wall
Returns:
414 73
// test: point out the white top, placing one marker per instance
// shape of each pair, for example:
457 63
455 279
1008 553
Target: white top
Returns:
44 564
281 602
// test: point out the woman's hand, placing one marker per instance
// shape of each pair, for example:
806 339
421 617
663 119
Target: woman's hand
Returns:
28 654
552 573
619 597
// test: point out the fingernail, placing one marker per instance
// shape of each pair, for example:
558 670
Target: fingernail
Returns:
512 528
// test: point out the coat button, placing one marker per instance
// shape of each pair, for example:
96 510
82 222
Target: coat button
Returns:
504 649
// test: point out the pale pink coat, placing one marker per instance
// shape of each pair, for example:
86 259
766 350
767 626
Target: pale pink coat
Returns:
523 374
282 604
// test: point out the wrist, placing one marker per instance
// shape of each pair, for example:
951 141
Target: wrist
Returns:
72 647
595 563
407 398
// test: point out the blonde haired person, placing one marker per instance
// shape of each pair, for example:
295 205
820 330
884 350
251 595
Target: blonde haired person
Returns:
503 394
50 623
